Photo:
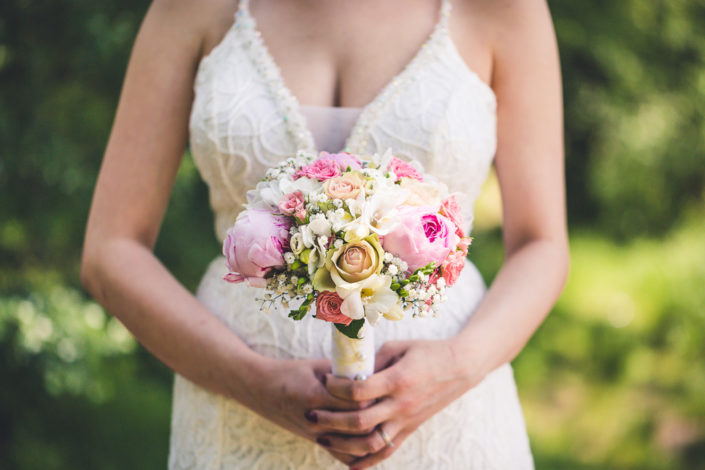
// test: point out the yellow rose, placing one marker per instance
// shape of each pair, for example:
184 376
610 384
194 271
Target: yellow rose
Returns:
345 186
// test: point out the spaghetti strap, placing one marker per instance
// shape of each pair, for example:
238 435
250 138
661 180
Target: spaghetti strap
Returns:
445 13
243 5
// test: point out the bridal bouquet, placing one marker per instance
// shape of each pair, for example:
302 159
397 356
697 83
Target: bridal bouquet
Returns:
359 238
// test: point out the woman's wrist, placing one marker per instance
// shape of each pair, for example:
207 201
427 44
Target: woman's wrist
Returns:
473 356
244 370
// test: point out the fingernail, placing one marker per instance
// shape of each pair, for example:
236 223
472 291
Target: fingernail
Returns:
311 416
323 441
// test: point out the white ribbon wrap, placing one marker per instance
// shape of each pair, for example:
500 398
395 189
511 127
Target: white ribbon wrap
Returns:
354 358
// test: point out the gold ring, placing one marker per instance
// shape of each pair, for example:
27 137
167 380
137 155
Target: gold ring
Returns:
385 437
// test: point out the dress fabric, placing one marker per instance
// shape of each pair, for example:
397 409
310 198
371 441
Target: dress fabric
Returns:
244 120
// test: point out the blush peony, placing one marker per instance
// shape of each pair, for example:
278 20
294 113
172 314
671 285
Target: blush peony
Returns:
422 237
254 245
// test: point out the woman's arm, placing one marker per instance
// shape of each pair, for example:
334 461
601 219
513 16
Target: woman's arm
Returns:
133 188
425 376
530 169
135 181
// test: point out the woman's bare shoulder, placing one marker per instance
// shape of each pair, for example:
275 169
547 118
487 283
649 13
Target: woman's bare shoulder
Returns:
511 20
202 21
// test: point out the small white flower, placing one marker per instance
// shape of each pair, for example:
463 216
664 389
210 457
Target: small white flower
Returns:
323 241
388 257
281 277
294 279
289 257
392 269
403 266
306 236
338 243
441 282
338 203
307 288
319 225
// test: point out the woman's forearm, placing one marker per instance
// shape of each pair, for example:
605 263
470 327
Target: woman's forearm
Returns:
131 283
520 297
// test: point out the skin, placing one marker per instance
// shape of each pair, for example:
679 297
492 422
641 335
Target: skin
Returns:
510 44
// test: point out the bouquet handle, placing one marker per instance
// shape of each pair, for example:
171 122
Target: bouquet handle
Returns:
353 358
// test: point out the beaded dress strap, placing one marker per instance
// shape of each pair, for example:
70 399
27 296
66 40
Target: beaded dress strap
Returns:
445 13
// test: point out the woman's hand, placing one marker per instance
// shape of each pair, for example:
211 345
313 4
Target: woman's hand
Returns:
415 380
286 391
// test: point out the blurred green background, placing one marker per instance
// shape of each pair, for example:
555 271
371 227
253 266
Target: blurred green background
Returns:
614 379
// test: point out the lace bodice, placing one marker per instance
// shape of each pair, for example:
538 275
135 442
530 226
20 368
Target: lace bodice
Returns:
244 119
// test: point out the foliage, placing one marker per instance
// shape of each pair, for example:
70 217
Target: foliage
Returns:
611 379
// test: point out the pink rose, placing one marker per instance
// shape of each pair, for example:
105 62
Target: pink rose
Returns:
293 204
403 169
344 160
328 308
451 209
422 236
254 245
322 169
463 244
452 265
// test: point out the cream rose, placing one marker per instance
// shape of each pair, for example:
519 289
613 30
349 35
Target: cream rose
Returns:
346 186
354 262
421 194
353 272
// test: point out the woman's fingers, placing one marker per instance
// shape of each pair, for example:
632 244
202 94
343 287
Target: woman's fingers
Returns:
360 446
379 385
355 422
347 459
375 458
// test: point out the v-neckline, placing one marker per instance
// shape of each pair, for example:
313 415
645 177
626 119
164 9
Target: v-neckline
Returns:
289 105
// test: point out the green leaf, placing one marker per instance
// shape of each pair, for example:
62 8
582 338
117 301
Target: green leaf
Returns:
352 329
298 314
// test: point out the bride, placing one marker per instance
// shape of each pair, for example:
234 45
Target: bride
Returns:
455 85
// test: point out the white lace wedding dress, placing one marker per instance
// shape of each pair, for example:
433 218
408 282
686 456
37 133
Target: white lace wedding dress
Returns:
244 120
